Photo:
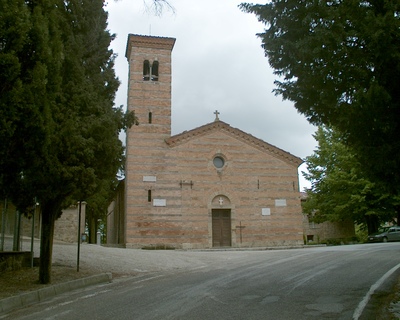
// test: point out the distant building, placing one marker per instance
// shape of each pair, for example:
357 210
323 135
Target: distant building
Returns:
65 229
326 231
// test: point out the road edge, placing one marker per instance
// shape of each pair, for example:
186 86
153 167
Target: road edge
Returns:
364 302
25 299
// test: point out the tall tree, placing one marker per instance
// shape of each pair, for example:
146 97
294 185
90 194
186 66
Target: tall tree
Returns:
62 135
28 66
339 188
339 63
28 99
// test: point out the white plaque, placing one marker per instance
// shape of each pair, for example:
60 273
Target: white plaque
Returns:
159 202
266 211
280 203
149 178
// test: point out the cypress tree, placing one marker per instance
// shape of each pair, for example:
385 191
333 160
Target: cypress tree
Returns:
60 130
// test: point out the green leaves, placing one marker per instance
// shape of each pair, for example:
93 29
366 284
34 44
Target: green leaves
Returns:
59 130
339 62
340 189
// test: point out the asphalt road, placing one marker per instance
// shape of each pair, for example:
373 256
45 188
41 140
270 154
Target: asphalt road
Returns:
311 283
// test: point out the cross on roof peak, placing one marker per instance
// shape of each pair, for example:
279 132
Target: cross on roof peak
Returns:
216 115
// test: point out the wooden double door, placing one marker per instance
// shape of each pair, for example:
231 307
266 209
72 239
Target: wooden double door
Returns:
221 228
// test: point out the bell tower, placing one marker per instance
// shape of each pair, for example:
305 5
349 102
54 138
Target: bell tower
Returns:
149 84
149 96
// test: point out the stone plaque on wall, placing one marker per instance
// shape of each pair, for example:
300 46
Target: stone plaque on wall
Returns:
280 203
266 211
159 202
149 178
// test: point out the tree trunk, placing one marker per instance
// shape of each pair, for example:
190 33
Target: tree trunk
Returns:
92 229
49 214
372 223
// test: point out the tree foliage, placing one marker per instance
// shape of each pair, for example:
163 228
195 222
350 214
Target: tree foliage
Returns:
59 130
339 62
339 188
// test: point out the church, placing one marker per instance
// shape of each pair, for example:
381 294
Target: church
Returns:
214 186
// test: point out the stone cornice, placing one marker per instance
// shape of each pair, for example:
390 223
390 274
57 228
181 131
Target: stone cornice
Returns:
236 133
136 40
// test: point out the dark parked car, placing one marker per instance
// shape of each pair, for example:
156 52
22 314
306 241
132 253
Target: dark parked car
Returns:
385 234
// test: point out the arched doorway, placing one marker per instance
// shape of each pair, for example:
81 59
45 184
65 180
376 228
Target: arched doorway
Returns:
221 222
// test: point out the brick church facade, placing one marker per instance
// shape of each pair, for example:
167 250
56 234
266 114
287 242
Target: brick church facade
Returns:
210 187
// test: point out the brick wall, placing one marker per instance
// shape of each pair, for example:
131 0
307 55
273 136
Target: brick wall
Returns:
320 232
65 229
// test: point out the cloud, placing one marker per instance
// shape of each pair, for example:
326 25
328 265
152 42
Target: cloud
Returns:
217 64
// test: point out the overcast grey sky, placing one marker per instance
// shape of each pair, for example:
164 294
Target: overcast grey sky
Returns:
217 64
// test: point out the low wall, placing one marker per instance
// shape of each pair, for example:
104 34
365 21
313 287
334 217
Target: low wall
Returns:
14 260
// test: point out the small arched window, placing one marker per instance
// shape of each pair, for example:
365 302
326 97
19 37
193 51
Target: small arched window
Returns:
154 71
146 70
150 117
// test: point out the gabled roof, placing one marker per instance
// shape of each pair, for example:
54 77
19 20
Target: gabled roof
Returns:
240 135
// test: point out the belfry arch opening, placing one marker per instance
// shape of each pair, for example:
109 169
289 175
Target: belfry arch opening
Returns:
150 70
154 71
146 70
